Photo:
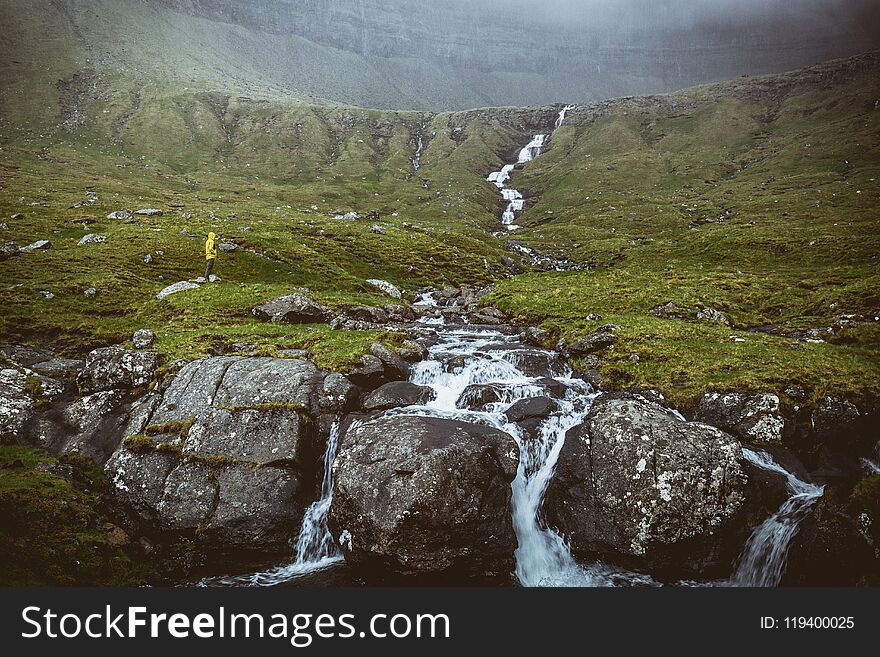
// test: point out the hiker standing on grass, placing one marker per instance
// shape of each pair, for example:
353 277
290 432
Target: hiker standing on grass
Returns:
210 255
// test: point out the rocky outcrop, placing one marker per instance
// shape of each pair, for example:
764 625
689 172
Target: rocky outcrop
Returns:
752 418
425 496
294 308
21 390
223 458
636 485
110 368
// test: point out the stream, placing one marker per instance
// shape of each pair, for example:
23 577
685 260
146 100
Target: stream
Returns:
463 356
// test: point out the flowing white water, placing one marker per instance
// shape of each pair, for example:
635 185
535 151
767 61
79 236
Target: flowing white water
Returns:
514 198
762 562
871 465
417 158
315 547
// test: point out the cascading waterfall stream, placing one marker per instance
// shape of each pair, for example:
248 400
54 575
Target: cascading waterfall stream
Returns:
514 198
762 562
315 547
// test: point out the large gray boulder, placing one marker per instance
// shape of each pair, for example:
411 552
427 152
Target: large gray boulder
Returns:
111 368
294 308
92 426
222 458
637 486
425 496
396 394
752 418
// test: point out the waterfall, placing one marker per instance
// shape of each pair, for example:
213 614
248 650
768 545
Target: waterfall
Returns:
315 547
417 158
529 152
871 465
762 562
561 119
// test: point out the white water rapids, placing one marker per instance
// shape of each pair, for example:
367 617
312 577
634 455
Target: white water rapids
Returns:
464 356
530 151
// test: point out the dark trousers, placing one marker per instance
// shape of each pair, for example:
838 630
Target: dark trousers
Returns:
209 268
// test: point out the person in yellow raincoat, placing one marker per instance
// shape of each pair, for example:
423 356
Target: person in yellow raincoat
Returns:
210 254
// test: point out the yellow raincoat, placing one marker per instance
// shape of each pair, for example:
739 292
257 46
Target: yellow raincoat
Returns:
210 247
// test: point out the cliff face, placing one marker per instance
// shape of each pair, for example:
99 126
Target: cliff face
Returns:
411 54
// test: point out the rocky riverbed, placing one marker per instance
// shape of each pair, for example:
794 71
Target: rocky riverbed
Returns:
475 453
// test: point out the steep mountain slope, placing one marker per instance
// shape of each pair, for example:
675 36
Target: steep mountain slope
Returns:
406 54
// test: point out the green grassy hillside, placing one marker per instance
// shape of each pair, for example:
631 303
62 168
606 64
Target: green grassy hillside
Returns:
756 197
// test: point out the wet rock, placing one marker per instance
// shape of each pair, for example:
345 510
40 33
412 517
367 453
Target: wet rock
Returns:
413 352
395 367
338 394
256 510
143 338
834 418
367 314
92 238
400 313
830 550
388 288
368 373
477 396
753 418
110 368
534 336
39 245
636 486
532 362
294 308
532 407
174 288
397 394
425 496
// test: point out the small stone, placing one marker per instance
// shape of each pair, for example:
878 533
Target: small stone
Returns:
46 294
17 216
149 212
90 293
711 315
388 288
180 286
119 214
39 245
148 259
92 238
143 338
213 278
375 228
